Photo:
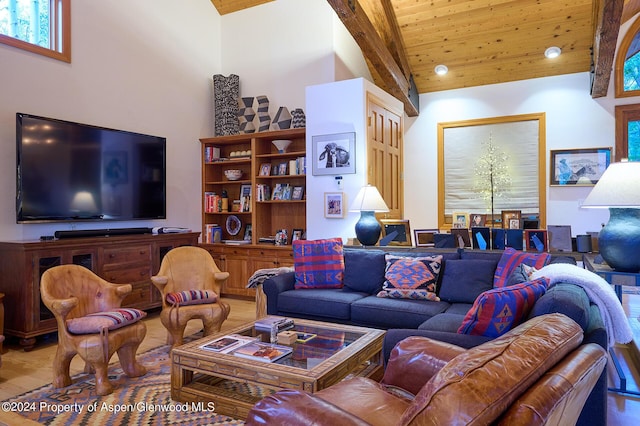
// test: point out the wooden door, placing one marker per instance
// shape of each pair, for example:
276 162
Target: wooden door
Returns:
384 154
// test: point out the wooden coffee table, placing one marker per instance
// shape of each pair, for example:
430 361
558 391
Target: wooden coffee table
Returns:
235 384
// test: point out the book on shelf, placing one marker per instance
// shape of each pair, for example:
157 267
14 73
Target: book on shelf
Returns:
264 352
263 192
228 343
236 242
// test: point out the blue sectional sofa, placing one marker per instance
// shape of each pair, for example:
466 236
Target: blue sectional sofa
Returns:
463 276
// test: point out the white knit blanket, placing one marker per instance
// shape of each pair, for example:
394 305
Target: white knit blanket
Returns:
599 291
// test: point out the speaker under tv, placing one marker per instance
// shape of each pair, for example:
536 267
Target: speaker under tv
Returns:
101 232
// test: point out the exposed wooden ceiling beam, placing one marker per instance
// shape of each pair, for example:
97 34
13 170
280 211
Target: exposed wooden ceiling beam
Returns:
608 14
631 7
389 63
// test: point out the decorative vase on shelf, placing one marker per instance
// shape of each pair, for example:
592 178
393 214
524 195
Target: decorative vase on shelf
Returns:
298 118
264 120
225 103
281 145
246 114
282 120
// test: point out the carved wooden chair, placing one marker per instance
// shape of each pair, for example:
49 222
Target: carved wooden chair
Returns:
189 281
91 324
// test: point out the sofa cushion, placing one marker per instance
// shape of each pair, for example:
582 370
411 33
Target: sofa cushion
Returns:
318 263
499 310
364 270
567 299
465 279
511 258
110 320
318 303
411 277
191 297
382 312
443 322
522 273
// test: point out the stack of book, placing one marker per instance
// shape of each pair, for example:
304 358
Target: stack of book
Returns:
267 323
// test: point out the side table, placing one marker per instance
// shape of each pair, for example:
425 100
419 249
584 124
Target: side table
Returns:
617 279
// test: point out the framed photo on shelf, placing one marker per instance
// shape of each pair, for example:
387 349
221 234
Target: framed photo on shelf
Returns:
424 237
560 238
265 169
334 154
459 220
477 219
511 219
402 229
536 240
247 232
297 193
296 234
282 169
582 167
334 205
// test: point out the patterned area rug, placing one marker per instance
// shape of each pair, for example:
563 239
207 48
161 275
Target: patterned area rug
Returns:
142 400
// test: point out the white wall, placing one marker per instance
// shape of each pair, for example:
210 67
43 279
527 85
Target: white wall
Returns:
144 67
279 48
338 107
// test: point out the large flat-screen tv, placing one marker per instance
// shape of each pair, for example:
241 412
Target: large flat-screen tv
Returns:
68 171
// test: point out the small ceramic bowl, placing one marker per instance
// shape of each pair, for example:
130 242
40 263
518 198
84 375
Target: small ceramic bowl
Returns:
233 174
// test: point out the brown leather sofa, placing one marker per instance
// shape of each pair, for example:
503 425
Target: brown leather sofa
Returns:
538 373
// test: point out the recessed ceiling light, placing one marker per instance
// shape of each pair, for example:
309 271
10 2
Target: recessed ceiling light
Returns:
552 52
441 69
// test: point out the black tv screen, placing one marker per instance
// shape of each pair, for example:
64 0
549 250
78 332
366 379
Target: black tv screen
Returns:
77 172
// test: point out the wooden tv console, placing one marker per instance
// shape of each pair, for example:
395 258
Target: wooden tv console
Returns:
120 259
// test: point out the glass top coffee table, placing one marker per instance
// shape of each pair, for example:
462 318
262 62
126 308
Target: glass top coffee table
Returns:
234 384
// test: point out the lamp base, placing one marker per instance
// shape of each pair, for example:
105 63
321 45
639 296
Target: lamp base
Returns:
619 240
368 228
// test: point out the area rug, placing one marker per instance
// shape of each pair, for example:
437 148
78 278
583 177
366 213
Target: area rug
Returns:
142 400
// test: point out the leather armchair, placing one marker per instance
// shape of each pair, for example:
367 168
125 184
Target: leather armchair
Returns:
538 373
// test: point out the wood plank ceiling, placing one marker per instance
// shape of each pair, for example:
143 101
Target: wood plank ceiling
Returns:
481 42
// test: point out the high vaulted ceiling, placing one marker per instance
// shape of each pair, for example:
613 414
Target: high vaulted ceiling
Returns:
481 41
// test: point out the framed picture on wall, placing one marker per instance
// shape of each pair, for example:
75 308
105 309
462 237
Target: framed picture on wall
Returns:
334 205
582 167
334 154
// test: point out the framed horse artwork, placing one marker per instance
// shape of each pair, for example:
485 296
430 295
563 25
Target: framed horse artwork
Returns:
334 154
581 167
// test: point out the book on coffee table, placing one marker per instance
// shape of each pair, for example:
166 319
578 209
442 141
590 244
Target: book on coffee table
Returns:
264 352
226 344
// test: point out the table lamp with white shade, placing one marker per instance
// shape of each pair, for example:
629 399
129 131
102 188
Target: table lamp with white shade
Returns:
619 190
368 202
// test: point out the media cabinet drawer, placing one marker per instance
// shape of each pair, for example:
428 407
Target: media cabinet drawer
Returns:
139 296
127 254
128 275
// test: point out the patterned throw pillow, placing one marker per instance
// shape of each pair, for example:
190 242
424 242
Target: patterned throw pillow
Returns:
411 277
191 297
318 263
111 320
499 310
510 260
